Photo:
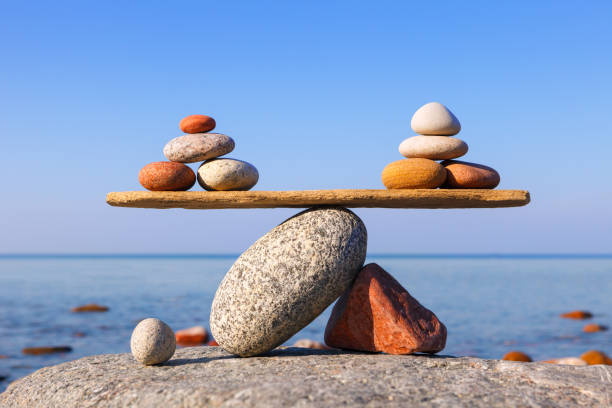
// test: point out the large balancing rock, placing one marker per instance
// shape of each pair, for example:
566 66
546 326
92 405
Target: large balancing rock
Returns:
378 314
286 279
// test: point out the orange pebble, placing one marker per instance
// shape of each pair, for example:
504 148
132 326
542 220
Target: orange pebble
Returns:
193 336
577 314
593 357
517 356
197 124
594 328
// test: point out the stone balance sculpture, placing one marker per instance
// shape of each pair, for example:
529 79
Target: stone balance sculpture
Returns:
299 268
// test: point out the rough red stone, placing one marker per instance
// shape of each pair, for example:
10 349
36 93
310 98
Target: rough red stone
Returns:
91 307
212 343
166 176
577 314
517 356
594 328
193 336
197 124
377 314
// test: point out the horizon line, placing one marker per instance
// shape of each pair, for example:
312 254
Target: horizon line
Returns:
235 255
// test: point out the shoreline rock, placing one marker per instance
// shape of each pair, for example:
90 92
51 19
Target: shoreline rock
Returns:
208 376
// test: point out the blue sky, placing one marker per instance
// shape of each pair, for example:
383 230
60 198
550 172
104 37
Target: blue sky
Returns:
316 95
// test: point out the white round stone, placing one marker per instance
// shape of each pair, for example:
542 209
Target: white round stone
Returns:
152 342
435 119
433 147
227 175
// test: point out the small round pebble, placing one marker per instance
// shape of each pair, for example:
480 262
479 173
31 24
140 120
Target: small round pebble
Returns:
433 147
166 176
198 147
469 175
197 124
152 342
227 175
435 119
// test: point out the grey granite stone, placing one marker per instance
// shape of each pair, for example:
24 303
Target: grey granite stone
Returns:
209 377
227 175
286 279
198 147
152 342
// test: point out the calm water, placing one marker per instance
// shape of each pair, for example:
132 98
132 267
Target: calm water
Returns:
490 305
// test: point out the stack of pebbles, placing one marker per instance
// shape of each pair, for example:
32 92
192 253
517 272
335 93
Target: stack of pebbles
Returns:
215 174
435 125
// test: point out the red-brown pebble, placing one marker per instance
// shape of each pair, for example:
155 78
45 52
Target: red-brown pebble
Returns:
193 336
469 175
166 176
577 314
46 350
197 124
594 328
377 314
517 356
91 307
212 343
593 357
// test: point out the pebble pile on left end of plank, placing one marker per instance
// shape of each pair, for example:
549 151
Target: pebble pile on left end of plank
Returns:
198 144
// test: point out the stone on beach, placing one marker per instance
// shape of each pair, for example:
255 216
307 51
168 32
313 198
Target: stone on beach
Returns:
91 307
435 119
198 147
575 361
286 279
433 147
35 351
593 357
517 356
193 336
197 124
152 342
311 344
227 175
413 173
166 176
594 328
469 175
377 314
577 315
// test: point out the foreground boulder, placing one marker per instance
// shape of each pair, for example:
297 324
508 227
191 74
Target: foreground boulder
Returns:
286 279
378 314
210 377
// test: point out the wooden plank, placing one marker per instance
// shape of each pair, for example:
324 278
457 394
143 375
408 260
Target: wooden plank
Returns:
311 198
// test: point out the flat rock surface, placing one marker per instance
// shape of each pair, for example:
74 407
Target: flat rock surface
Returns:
208 376
420 198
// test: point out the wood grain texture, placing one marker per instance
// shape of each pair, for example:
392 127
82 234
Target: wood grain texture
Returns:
422 198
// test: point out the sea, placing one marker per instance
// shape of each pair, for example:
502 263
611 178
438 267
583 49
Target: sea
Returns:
491 304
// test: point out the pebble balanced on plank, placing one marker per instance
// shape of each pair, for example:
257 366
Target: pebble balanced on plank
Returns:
436 125
195 146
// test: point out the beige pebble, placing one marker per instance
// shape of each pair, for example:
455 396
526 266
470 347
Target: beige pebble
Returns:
227 174
433 147
152 342
435 119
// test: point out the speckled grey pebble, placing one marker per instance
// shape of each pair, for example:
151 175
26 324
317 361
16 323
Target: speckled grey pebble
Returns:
152 342
227 175
286 279
198 147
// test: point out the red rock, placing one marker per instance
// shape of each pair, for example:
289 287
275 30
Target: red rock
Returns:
197 124
212 343
193 336
462 174
593 357
307 343
517 356
577 314
377 314
166 176
2 356
46 350
594 328
91 307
